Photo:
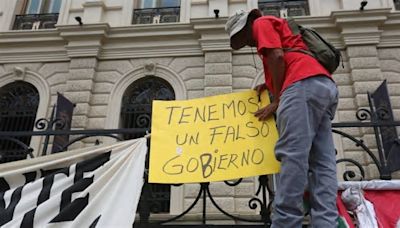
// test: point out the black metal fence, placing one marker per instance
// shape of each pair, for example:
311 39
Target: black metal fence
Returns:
283 8
156 15
385 156
35 21
397 4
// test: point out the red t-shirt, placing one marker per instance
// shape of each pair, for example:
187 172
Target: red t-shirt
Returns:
271 32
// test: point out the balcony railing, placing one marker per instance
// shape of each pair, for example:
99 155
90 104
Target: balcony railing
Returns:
281 8
156 15
35 21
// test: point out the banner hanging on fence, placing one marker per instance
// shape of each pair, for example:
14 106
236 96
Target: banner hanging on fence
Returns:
211 139
91 187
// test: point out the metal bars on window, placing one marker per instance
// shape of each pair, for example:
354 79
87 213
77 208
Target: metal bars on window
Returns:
156 15
136 112
284 8
18 106
397 4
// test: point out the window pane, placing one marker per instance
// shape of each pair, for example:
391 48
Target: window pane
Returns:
169 3
33 7
51 6
55 6
146 4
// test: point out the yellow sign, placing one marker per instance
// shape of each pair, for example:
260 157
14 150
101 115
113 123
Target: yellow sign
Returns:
211 139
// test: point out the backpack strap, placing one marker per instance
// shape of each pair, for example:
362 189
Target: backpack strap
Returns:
293 26
299 50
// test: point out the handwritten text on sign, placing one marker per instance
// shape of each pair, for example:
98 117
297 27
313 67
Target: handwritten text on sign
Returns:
211 139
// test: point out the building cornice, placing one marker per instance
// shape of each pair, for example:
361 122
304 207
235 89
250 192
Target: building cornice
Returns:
212 33
84 40
32 46
391 31
155 40
361 27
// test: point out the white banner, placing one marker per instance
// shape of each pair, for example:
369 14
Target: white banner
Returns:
90 187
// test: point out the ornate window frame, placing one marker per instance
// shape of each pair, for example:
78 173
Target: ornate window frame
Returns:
114 109
20 74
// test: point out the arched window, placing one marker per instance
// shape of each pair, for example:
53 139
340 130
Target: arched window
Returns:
136 113
19 102
284 8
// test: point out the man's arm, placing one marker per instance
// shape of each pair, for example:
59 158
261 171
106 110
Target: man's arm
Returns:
276 67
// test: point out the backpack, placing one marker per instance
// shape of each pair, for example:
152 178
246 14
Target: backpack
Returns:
319 48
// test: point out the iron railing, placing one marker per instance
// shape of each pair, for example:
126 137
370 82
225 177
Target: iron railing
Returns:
282 8
156 15
35 21
264 195
397 4
377 117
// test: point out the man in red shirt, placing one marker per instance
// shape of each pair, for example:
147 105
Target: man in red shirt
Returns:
304 99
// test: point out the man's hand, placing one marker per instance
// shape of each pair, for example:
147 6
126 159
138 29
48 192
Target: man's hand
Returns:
260 88
266 112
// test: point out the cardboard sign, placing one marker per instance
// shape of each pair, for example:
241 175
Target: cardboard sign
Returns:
211 139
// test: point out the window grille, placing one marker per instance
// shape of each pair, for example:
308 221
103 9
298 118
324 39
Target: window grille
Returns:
156 11
19 102
397 4
284 8
38 14
136 112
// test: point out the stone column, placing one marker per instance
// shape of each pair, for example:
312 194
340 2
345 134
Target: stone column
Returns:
218 79
218 56
361 35
83 48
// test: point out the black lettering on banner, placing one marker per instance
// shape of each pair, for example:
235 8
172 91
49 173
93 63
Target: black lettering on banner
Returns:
254 156
214 133
256 132
198 114
232 160
242 108
8 213
184 115
221 159
211 111
94 223
254 103
170 113
206 168
192 139
195 166
264 129
230 131
48 180
245 157
228 106
176 172
69 209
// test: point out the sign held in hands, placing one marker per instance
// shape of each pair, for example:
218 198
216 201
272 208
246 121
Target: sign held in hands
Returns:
211 139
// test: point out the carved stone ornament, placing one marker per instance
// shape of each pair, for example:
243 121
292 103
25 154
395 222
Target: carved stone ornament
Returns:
19 73
149 68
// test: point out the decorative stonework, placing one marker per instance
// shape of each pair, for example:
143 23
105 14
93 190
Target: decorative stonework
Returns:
149 68
19 73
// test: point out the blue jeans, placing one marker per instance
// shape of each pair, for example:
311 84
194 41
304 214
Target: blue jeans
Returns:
307 154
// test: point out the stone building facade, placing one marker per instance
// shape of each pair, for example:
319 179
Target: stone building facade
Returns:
95 63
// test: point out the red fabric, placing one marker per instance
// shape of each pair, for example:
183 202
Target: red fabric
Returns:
343 211
270 32
387 206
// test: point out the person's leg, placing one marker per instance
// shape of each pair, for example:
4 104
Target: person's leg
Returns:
323 182
296 131
322 161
